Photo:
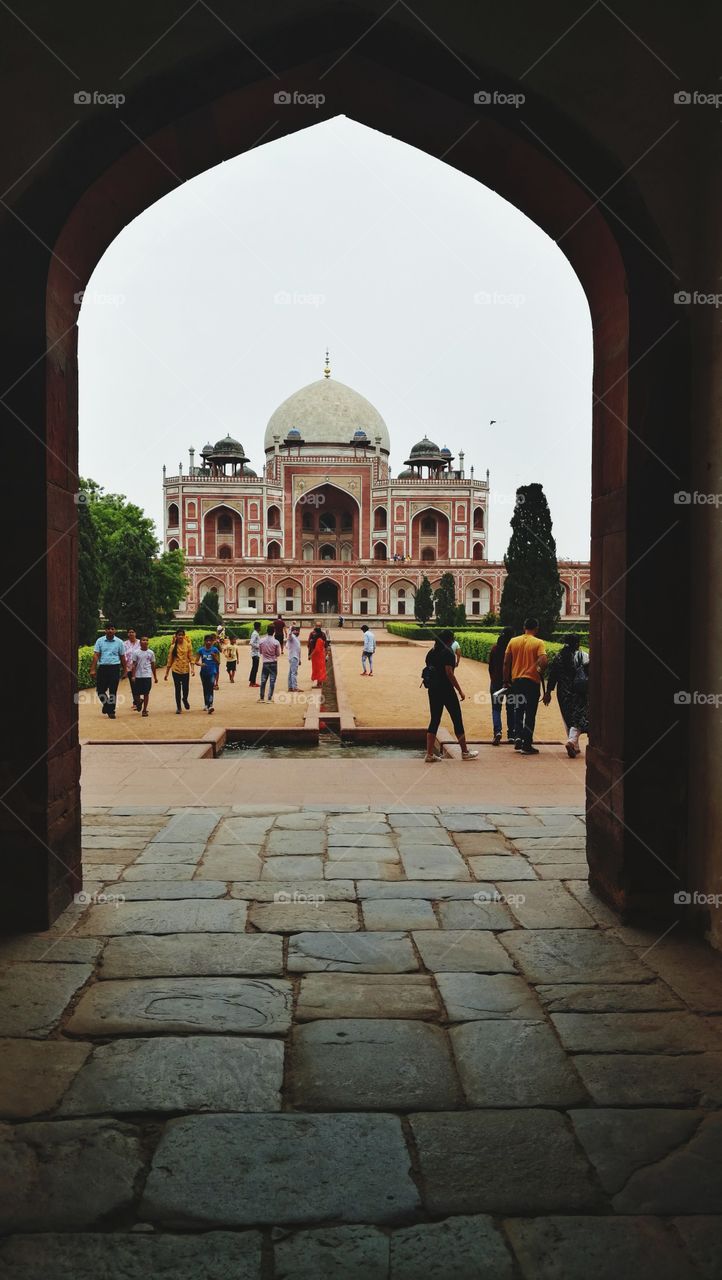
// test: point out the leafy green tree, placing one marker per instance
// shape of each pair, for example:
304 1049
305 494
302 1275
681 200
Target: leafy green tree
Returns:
88 574
207 614
129 595
170 583
424 601
445 601
460 617
532 587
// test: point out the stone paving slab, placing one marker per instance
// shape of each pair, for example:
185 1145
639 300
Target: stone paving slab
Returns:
186 916
34 997
465 1248
118 1255
93 858
544 844
137 810
183 1005
47 949
413 837
375 995
351 953
295 890
67 1174
558 855
475 915
473 844
166 853
241 1170
637 1032
299 917
462 951
224 863
638 1080
502 1162
187 827
687 1180
399 914
358 840
357 853
432 890
372 1064
363 870
243 831
492 867
166 890
429 862
692 970
595 1248
192 955
174 871
402 821
559 870
469 997
331 1253
357 826
467 822
296 843
35 1074
545 905
614 997
619 1142
193 1073
292 869
103 871
573 955
299 821
702 1237
514 1064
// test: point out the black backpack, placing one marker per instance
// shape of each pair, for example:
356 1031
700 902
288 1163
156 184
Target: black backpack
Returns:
429 673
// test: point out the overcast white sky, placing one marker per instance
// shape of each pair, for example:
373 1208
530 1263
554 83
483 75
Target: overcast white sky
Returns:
441 303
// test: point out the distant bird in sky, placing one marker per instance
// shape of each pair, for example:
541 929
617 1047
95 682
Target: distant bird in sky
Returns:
491 423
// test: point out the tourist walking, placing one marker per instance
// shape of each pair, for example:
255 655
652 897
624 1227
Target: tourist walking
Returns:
144 674
368 650
254 642
498 690
317 653
525 662
208 658
279 631
230 653
569 675
294 658
340 620
131 647
106 665
270 648
439 680
180 658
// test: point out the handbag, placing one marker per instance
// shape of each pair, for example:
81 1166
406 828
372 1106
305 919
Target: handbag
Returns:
580 683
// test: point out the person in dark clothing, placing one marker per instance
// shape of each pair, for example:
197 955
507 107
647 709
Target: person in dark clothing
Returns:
569 675
496 682
444 692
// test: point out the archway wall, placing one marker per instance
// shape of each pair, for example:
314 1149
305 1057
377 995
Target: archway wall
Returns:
99 177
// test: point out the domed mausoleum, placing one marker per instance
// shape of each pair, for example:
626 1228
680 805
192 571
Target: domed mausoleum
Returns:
326 528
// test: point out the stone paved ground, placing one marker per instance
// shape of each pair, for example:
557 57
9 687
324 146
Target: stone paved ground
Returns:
283 1042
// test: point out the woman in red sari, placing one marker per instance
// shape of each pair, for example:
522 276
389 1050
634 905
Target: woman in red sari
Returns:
318 659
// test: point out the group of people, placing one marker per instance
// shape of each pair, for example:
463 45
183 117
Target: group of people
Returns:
520 675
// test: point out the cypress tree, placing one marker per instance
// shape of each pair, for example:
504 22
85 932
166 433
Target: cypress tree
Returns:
207 615
445 600
532 587
88 575
424 601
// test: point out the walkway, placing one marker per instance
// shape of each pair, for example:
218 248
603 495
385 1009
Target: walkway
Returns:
335 1042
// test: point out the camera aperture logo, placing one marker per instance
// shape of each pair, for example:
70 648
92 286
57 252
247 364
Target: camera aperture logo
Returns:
85 899
496 98
485 896
686 898
294 98
84 98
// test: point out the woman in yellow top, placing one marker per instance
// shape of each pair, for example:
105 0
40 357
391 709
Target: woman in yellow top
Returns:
180 663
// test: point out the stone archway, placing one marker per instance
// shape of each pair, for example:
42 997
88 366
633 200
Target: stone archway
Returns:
326 596
85 195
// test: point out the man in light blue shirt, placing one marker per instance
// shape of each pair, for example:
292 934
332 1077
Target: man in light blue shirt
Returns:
108 661
368 650
294 657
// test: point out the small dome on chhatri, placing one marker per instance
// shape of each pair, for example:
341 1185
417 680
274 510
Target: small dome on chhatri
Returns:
359 434
228 446
425 447
248 471
206 450
408 474
293 434
446 452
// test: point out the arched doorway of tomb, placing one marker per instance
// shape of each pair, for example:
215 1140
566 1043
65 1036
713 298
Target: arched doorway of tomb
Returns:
326 596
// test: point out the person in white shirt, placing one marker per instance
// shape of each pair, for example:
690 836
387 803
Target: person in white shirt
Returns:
254 643
294 658
144 673
131 647
368 650
270 649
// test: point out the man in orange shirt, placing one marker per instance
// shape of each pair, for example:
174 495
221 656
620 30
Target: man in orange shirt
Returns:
525 662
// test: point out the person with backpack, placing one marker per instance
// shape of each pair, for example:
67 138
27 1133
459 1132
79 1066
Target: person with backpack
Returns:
569 675
497 689
208 657
179 665
439 679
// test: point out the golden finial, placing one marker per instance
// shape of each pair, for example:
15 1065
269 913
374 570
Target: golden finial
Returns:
327 367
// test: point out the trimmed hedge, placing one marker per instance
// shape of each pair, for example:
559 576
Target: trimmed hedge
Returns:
161 646
473 644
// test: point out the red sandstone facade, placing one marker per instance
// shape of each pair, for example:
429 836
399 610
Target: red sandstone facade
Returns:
327 529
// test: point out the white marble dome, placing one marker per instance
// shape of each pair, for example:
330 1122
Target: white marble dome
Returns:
327 413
